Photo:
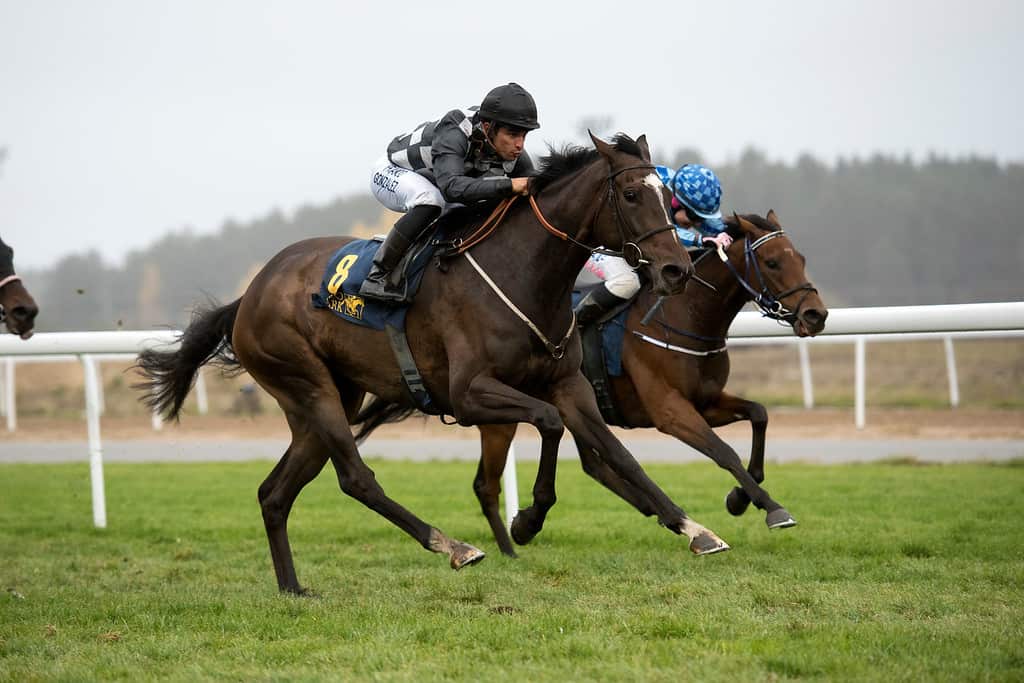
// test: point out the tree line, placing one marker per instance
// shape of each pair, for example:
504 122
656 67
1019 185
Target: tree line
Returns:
879 231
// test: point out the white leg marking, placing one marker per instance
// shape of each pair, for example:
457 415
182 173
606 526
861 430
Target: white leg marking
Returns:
654 182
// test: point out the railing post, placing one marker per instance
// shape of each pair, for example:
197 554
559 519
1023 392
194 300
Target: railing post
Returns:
510 487
10 401
805 373
92 417
954 385
201 401
101 401
858 391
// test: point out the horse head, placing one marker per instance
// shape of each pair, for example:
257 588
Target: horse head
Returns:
17 307
775 273
639 221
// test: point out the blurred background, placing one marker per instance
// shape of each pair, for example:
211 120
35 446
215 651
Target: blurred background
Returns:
155 154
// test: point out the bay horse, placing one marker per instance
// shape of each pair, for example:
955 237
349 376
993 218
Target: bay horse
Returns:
18 310
479 333
674 376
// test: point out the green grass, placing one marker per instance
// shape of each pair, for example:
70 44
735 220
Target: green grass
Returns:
896 572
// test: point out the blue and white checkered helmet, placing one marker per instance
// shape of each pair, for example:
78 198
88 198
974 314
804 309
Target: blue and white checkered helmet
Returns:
696 187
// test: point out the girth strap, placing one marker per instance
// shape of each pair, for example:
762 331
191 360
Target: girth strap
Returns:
411 378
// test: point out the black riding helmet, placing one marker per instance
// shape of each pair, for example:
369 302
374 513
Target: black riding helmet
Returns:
512 105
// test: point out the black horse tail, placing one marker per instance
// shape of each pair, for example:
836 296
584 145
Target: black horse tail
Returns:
378 412
170 374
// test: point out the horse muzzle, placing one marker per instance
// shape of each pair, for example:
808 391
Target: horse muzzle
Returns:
810 322
20 319
670 278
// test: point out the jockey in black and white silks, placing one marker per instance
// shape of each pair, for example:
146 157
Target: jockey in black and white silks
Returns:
467 156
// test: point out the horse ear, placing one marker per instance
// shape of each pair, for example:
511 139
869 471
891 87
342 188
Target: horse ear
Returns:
642 144
773 219
606 150
743 224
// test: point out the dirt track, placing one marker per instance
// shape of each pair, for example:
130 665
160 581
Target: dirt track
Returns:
783 424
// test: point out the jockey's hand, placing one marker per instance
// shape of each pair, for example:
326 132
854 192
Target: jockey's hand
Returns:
722 239
521 186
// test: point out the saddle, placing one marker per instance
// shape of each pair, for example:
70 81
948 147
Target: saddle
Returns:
349 266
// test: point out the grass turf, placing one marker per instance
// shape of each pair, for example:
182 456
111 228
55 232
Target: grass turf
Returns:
896 571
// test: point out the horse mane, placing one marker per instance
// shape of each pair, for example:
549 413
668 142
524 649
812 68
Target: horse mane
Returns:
733 227
571 158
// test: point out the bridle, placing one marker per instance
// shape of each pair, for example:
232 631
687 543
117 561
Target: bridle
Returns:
631 251
770 303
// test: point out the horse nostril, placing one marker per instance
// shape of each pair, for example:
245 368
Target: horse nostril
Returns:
676 275
814 318
24 313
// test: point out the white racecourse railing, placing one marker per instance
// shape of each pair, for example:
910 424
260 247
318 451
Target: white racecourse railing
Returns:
845 325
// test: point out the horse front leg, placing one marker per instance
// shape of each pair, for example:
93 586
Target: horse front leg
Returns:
488 401
575 401
729 409
495 441
599 470
677 417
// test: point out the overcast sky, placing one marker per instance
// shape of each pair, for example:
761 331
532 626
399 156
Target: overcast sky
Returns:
125 119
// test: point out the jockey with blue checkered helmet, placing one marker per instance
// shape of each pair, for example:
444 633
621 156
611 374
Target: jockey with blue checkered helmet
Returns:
696 199
696 203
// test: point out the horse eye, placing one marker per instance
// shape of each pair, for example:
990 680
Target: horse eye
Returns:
772 263
630 195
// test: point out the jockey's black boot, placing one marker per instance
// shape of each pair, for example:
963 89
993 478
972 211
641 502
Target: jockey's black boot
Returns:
595 304
382 284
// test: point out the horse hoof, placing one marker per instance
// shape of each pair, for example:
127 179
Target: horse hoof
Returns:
779 519
708 544
519 533
463 555
737 502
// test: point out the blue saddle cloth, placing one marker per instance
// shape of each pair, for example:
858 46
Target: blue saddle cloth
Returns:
613 332
345 272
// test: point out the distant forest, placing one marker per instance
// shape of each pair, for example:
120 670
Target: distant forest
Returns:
876 232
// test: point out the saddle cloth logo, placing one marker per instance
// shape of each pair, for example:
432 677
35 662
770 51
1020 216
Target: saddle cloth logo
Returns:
348 305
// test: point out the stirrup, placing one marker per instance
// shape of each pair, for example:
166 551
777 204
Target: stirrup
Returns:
380 288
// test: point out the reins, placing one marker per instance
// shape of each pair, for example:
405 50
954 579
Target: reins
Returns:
769 303
487 228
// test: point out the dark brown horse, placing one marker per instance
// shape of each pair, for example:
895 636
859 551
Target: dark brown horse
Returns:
479 359
18 309
675 370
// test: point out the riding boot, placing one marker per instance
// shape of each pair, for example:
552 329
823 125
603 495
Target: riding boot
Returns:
595 305
381 283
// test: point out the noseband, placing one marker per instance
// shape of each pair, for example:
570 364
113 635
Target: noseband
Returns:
770 303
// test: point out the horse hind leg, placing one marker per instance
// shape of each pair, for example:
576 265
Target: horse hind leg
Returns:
357 480
301 463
